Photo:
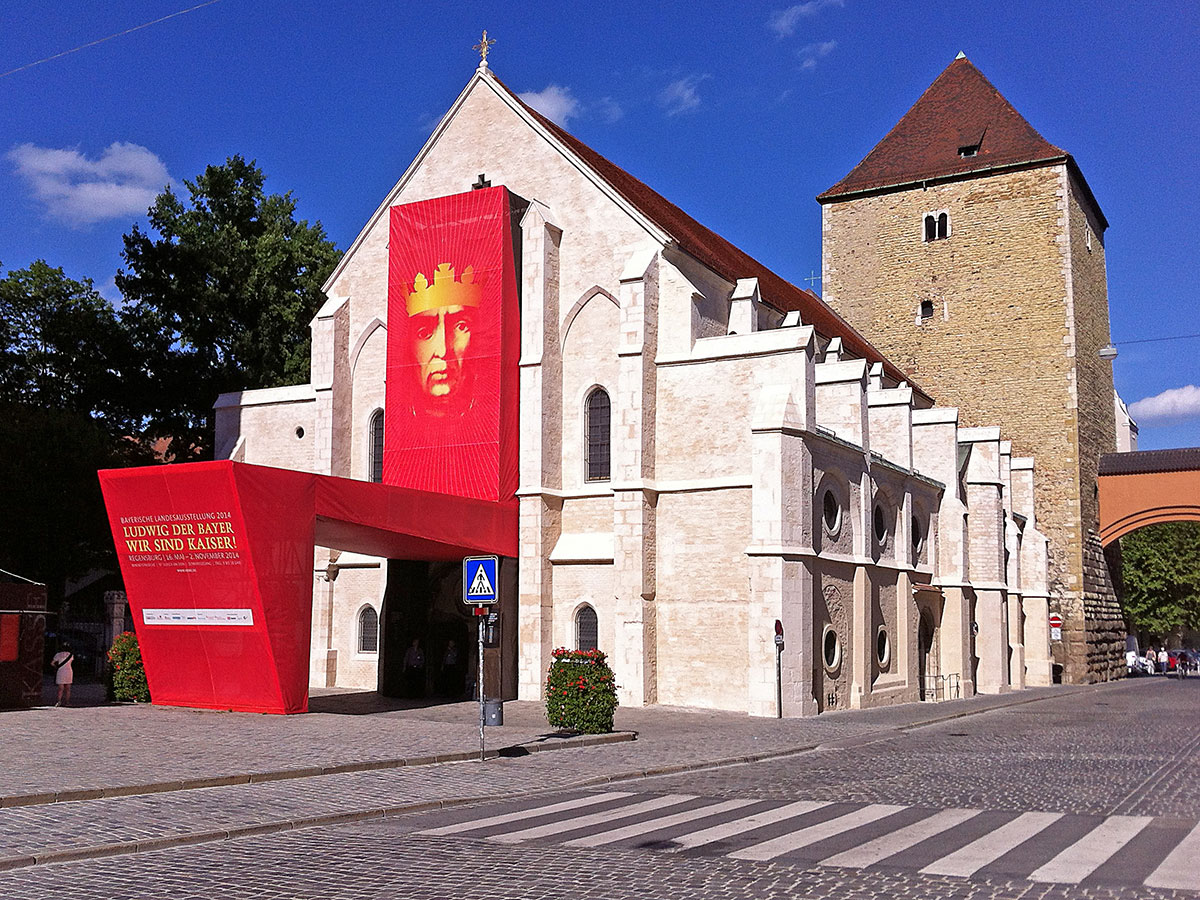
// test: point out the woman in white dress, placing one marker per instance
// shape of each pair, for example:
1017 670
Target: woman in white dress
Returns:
63 674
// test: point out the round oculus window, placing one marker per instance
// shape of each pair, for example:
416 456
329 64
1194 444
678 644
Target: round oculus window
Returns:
299 432
883 648
831 513
832 648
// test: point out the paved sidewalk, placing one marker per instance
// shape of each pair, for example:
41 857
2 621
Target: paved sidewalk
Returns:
56 754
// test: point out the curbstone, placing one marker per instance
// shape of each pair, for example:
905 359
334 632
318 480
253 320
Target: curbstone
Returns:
85 794
27 800
215 781
285 774
77 853
159 787
176 840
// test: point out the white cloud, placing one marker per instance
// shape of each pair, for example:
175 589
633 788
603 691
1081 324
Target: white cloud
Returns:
609 110
1174 405
79 191
785 22
810 53
554 102
681 96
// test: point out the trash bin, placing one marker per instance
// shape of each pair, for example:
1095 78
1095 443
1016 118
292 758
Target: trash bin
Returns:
493 712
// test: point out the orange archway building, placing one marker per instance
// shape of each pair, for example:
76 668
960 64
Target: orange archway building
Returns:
1147 487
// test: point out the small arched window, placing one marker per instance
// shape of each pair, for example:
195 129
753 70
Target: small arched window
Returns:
375 449
598 415
368 630
936 226
586 629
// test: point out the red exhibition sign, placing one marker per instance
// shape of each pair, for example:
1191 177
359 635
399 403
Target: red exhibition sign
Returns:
217 560
217 564
451 417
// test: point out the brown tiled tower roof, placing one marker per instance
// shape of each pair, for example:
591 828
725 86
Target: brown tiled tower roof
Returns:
718 254
961 109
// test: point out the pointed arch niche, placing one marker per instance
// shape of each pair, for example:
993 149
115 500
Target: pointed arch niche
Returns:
589 361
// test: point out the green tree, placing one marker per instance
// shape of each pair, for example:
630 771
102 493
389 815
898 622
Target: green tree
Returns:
61 345
63 415
1161 571
220 300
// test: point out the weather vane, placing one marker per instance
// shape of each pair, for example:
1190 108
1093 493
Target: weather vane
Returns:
483 46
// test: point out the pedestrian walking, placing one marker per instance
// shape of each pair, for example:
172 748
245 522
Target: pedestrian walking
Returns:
450 676
1163 659
63 675
414 670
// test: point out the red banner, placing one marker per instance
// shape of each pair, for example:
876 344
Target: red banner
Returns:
451 419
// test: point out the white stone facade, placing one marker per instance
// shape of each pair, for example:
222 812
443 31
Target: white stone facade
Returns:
759 471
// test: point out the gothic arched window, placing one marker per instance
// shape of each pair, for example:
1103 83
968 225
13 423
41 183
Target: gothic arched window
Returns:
368 630
586 629
375 449
598 418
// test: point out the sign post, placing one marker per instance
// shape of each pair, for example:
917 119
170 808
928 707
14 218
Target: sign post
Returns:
778 669
1056 624
480 590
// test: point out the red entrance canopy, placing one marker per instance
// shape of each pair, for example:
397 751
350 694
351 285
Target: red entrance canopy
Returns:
217 559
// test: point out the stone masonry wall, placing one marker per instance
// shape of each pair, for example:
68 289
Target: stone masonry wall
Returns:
1009 322
1097 432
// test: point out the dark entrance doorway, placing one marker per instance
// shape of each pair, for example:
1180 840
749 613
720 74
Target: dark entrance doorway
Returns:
428 640
927 657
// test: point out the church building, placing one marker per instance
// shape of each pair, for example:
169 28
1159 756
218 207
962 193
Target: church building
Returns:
705 455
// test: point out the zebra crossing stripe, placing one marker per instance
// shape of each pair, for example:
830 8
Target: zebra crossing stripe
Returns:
989 848
747 823
901 839
689 815
1091 851
565 806
570 824
1179 871
803 837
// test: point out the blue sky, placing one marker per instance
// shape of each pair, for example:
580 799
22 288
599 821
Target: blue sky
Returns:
738 112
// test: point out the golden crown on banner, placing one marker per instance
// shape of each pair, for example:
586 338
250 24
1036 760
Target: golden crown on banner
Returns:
446 290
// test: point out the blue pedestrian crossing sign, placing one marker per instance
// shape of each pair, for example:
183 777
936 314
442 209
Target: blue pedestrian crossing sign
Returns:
479 581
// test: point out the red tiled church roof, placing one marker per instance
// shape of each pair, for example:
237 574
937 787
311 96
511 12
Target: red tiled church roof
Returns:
960 109
714 251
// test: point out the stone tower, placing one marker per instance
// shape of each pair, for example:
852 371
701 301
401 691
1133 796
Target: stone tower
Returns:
970 251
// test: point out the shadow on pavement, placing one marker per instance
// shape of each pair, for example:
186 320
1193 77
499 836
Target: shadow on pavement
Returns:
366 703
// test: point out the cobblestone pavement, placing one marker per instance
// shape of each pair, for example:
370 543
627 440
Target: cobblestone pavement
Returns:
669 738
96 748
376 861
1128 749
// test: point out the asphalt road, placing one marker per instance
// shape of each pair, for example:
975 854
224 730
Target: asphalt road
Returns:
1092 793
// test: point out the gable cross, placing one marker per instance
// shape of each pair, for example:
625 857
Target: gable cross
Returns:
813 279
481 183
483 46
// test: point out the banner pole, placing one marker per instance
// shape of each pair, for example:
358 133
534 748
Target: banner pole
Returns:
481 745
